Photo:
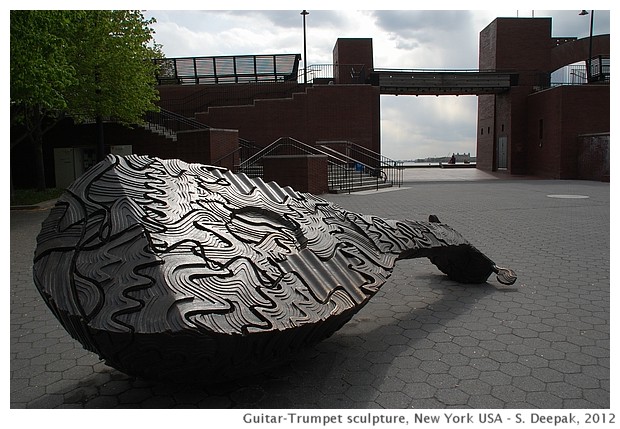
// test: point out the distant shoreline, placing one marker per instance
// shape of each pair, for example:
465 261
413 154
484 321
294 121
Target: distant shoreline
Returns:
434 164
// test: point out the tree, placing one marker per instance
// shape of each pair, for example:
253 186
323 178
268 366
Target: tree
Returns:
92 64
40 74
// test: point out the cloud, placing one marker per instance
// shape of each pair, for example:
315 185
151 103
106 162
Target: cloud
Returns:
427 126
426 39
422 25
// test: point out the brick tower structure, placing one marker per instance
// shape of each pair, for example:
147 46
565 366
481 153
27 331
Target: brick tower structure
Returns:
536 128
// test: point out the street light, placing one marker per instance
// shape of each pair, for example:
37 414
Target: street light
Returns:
304 13
589 63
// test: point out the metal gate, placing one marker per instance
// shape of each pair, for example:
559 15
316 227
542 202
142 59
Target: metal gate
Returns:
502 152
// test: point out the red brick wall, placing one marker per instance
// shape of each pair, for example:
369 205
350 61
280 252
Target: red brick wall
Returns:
487 47
351 51
514 112
593 157
188 99
545 152
513 44
567 112
307 173
485 155
585 110
525 45
204 146
578 50
324 112
223 144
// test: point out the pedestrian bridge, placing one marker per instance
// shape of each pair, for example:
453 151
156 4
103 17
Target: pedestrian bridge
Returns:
285 68
441 82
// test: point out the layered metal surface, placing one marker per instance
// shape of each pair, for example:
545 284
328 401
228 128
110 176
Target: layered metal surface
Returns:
189 272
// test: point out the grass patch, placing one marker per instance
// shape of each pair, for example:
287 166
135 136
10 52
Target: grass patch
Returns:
26 197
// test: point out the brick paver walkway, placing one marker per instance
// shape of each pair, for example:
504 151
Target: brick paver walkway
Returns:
422 342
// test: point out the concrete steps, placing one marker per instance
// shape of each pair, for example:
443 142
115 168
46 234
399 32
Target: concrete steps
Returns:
160 130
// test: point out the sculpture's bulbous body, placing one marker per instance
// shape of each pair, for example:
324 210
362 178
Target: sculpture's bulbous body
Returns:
189 272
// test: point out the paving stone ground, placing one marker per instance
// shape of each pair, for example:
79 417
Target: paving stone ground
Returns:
422 342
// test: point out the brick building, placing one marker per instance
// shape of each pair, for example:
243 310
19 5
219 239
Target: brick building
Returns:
529 127
537 128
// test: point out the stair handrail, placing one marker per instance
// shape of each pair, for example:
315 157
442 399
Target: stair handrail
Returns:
244 145
292 142
346 166
308 149
380 161
356 163
165 118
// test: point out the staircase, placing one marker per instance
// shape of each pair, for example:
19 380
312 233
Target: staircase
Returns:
362 169
344 173
349 179
160 130
166 123
351 167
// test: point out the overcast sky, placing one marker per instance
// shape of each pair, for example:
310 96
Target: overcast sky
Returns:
411 127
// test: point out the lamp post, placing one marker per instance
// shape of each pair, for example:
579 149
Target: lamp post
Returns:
304 13
589 62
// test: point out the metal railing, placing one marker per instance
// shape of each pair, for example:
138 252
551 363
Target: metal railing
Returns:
577 74
344 174
169 123
332 73
172 121
227 69
232 160
378 165
272 84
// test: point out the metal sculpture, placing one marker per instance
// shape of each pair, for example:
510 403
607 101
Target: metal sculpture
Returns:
182 271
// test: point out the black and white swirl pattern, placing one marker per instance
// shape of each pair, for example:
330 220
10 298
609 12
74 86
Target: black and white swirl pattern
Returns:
152 262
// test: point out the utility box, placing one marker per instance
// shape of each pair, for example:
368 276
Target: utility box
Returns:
121 149
71 162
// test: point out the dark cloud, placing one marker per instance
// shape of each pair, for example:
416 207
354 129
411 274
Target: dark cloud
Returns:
567 23
422 25
293 18
418 33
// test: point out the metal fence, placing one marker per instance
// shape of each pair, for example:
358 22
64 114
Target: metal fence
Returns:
347 169
228 69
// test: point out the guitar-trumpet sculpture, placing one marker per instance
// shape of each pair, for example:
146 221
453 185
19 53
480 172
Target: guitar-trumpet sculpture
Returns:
184 271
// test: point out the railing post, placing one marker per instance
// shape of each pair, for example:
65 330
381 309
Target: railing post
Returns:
235 69
195 71
214 69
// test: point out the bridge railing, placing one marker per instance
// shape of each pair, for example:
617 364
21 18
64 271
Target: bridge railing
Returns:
440 82
333 73
577 74
228 69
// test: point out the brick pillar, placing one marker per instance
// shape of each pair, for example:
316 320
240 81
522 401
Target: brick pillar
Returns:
304 173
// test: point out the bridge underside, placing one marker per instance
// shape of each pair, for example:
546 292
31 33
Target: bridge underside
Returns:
442 82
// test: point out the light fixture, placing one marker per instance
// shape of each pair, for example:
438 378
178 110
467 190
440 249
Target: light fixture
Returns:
303 14
589 62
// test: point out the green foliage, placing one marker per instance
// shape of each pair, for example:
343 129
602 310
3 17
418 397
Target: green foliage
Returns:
84 63
40 69
117 77
88 64
26 197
